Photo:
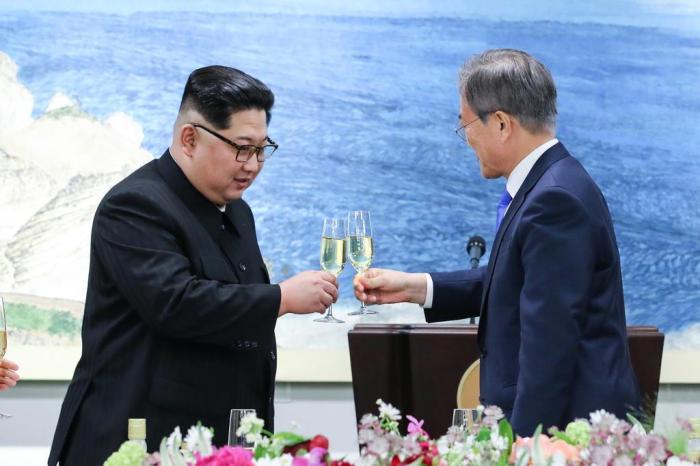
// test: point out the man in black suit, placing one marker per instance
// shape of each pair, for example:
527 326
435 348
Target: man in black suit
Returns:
180 313
552 332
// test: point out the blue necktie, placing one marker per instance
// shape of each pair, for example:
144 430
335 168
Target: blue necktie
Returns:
502 206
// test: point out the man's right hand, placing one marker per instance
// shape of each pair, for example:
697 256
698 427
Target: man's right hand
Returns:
380 286
307 292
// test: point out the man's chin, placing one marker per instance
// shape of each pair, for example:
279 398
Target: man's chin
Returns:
233 195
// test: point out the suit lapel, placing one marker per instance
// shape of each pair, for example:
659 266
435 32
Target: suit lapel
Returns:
208 215
552 155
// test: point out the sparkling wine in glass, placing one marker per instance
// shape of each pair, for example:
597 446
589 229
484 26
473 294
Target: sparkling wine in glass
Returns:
333 255
3 329
360 249
3 340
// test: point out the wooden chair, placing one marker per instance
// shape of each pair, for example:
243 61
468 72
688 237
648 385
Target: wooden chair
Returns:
468 389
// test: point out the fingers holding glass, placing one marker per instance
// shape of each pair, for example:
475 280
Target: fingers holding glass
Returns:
332 255
360 248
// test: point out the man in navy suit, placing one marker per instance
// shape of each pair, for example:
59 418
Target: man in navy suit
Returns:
552 332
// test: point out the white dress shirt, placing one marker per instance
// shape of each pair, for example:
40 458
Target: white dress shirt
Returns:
513 184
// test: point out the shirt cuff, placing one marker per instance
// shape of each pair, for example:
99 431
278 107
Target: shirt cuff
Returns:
428 292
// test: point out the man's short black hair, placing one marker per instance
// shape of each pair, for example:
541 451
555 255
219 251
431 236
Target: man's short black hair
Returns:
216 92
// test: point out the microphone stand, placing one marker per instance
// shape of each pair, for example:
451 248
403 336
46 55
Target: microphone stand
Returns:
476 247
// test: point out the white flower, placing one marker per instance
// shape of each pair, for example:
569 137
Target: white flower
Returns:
284 460
676 461
198 439
174 439
498 442
250 424
386 410
558 459
365 436
379 446
368 419
638 429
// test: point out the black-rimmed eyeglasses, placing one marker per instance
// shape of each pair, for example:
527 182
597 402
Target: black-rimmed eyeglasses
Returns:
462 129
245 151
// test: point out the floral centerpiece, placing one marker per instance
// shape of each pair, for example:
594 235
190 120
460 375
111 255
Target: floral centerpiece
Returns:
601 440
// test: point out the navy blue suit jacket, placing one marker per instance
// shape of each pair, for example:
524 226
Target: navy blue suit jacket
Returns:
552 332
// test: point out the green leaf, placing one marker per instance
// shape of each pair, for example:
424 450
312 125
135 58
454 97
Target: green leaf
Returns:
678 443
562 436
635 422
537 457
506 430
524 459
289 439
483 435
260 452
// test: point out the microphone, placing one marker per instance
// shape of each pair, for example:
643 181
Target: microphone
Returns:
476 247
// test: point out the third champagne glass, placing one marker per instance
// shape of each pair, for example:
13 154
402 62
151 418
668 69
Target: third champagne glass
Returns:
3 339
360 249
332 255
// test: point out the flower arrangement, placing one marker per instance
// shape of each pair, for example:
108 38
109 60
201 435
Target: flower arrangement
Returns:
601 440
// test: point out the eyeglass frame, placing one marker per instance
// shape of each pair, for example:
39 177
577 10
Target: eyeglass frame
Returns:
462 130
258 151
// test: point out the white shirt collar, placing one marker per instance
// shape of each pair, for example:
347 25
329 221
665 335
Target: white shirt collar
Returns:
522 169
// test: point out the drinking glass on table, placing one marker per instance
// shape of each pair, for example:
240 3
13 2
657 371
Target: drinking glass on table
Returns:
465 418
360 249
332 255
3 340
235 419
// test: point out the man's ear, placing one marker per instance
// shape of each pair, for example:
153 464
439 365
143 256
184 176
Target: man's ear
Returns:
504 122
187 139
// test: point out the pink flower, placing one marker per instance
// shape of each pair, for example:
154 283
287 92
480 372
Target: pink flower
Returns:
655 447
415 426
548 447
316 457
227 456
601 455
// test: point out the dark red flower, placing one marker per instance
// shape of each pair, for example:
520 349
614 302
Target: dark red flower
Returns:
318 441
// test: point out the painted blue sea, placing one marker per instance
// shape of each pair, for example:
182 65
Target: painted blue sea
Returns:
366 107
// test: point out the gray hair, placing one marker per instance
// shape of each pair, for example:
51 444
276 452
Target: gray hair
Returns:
511 81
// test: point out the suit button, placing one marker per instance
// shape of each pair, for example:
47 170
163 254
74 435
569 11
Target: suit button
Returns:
223 227
242 267
272 355
246 344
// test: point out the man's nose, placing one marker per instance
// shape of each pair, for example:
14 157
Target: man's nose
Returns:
252 165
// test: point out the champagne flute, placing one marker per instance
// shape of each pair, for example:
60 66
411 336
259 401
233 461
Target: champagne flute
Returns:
332 255
235 420
361 249
465 419
3 340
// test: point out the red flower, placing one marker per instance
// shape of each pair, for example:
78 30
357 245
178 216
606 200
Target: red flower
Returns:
318 441
293 449
340 463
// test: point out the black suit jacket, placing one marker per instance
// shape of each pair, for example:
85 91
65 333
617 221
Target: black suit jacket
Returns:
552 331
179 318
